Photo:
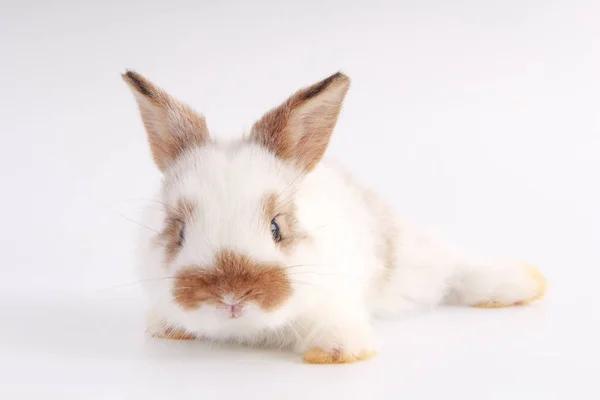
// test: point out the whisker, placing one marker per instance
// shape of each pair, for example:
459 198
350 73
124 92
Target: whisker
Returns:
305 283
326 224
289 325
292 182
182 287
286 200
301 326
150 200
320 273
139 282
127 218
305 265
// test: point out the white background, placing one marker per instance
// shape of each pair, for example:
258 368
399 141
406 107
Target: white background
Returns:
479 119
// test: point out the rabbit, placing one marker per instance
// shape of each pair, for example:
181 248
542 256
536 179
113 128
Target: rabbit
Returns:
263 241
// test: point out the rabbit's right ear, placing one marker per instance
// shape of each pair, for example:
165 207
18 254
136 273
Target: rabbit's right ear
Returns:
172 127
299 130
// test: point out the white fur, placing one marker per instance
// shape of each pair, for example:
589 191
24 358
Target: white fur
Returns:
338 277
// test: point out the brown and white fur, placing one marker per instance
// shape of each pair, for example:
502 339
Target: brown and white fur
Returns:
263 242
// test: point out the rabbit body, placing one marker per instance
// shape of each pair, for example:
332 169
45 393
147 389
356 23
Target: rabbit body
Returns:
263 241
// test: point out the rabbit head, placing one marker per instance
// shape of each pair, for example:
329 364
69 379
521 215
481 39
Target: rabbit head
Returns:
230 233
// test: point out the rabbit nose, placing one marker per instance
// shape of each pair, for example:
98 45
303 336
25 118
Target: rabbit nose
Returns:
236 311
233 310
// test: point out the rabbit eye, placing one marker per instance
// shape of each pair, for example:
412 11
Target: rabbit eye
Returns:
181 235
275 231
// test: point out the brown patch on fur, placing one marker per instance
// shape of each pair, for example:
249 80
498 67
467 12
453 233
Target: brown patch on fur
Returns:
284 212
299 130
319 87
336 356
172 333
172 127
174 222
141 84
236 275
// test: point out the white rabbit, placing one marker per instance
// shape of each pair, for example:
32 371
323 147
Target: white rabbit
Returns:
262 242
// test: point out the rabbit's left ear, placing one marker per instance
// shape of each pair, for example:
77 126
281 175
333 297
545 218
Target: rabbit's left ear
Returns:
299 129
171 126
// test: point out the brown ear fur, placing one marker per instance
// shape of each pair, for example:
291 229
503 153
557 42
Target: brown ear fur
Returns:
299 130
171 126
